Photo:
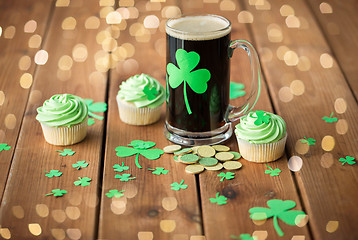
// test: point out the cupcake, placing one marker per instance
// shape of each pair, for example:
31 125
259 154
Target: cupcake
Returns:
63 119
261 136
140 99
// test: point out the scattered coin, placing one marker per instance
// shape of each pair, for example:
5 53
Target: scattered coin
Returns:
221 148
183 151
171 148
194 168
176 158
232 165
189 158
236 155
224 156
216 167
195 149
206 151
208 161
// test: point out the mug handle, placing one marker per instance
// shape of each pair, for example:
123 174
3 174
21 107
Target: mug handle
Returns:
234 113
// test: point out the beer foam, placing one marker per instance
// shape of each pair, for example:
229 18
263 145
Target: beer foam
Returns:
198 28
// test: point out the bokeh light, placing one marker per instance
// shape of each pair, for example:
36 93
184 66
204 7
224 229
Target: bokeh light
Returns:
295 163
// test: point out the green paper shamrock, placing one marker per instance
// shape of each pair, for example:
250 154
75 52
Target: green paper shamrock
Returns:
261 118
278 209
120 168
139 147
348 159
80 164
177 186
53 173
330 119
158 171
57 192
98 107
275 172
236 90
244 236
124 177
85 181
228 176
115 193
66 152
309 141
90 121
197 80
4 146
219 200
150 93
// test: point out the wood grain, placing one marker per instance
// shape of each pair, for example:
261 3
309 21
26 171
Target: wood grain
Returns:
323 183
15 14
25 211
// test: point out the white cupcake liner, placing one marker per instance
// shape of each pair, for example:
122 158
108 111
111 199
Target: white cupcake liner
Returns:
261 153
63 136
132 115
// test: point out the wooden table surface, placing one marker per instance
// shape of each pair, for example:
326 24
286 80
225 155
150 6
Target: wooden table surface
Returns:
308 52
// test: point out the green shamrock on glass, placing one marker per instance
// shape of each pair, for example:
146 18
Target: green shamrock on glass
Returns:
199 50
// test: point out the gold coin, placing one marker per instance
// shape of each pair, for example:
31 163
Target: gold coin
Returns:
224 156
171 148
221 148
206 151
176 158
232 165
217 167
195 149
183 151
194 169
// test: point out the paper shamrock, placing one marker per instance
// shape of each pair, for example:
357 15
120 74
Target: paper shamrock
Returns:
177 186
98 107
53 173
159 171
80 164
277 209
4 146
348 159
85 181
309 141
228 176
236 90
115 193
272 172
120 168
150 93
244 236
139 148
197 80
66 152
124 177
57 192
219 200
261 118
330 119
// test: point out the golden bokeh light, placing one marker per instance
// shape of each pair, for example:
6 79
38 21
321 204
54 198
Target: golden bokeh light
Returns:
130 190
153 6
197 237
42 210
328 143
18 212
74 233
65 63
133 13
35 229
297 87
291 58
79 52
285 94
227 5
5 233
287 10
151 21
298 237
109 44
292 22
130 49
9 32
281 51
62 3
304 63
69 23
41 57
301 148
114 30
325 8
332 226
260 235
114 18
119 54
97 79
102 35
327 160
145 236
167 226
295 163
274 33
326 60
35 41
245 17
169 203
26 80
58 215
58 233
130 66
73 213
10 121
24 63
340 105
342 126
2 98
262 5
92 22
0 31
171 11
119 205
30 26
106 3
105 11
126 3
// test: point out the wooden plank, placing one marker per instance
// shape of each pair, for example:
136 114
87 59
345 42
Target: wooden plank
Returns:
17 63
150 208
329 190
251 186
339 21
26 212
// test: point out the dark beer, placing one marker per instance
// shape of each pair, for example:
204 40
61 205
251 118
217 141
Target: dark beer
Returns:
211 41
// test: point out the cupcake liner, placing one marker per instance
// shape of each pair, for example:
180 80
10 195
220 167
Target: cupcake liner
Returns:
63 136
262 153
132 115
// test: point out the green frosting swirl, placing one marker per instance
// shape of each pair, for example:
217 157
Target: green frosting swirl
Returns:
268 131
142 90
62 110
